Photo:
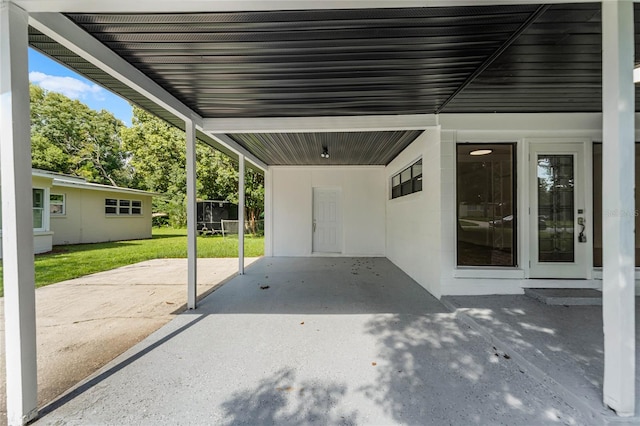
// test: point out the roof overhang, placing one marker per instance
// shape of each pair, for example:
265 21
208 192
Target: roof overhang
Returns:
278 69
189 6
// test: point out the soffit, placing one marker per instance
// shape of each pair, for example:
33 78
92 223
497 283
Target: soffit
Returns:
353 62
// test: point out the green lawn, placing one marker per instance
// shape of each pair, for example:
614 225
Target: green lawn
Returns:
72 261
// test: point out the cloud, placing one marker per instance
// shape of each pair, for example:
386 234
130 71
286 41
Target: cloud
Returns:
68 86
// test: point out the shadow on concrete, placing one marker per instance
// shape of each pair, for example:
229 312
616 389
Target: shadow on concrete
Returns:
439 371
128 359
320 341
275 401
563 344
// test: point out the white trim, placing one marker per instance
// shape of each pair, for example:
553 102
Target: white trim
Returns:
130 207
618 177
68 34
229 143
363 123
98 187
268 212
63 204
45 208
579 268
325 167
17 218
192 219
241 196
165 6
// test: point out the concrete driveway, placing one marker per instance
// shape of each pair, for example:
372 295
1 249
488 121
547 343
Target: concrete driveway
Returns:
84 323
315 341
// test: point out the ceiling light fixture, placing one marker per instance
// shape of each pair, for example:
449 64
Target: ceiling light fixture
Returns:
325 152
636 74
481 152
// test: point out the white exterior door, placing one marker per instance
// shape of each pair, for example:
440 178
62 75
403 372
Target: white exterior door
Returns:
327 226
559 233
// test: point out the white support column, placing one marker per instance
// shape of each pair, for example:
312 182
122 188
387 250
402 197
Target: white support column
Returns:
618 171
268 213
241 196
192 241
17 217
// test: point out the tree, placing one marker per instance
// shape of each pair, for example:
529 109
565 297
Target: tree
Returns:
157 153
69 137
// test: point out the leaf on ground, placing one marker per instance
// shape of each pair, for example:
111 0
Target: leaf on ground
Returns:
302 323
374 363
506 356
170 303
264 287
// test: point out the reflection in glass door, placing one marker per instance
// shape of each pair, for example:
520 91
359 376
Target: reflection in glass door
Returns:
557 221
556 240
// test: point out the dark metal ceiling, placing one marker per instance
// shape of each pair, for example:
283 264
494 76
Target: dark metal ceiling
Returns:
344 148
310 63
522 58
554 66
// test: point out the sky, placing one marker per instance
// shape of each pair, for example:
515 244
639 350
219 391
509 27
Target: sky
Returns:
52 76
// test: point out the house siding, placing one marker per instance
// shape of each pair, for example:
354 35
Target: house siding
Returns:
85 220
362 205
413 221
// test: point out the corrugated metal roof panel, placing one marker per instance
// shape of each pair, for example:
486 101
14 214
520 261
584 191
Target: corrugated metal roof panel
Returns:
352 148
355 62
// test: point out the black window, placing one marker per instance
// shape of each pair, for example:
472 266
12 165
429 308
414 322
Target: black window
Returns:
486 204
407 181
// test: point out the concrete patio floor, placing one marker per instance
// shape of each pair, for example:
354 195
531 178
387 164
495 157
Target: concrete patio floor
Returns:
316 341
561 345
84 323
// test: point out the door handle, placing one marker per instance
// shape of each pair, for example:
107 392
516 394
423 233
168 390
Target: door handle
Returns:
581 237
314 226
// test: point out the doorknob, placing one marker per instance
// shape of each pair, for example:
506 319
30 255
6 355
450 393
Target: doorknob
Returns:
314 226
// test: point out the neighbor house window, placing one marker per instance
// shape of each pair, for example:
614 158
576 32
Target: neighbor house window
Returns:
113 206
38 208
486 200
407 181
597 205
57 204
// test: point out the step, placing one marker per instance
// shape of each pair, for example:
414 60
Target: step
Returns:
565 296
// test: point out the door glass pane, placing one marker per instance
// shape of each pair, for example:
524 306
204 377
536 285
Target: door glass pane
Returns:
485 195
556 242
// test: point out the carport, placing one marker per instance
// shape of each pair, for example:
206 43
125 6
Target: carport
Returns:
283 84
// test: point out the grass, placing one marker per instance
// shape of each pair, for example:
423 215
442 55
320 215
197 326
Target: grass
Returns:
77 260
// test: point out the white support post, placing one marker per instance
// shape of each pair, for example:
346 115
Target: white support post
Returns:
192 241
17 217
241 214
268 213
618 177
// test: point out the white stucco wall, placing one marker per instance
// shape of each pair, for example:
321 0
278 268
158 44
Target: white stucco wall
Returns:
363 192
85 220
520 129
414 237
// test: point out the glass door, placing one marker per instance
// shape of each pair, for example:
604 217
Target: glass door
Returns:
558 229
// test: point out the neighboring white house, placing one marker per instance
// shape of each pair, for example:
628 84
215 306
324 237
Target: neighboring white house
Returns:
70 210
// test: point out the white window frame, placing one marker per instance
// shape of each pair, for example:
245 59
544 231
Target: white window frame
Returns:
123 203
63 204
45 209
